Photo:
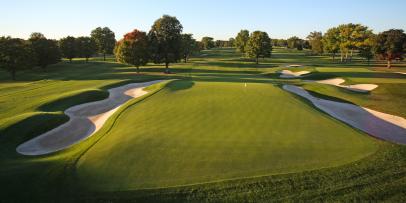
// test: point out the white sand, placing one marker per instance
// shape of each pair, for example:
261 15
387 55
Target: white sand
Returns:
381 125
85 120
294 66
290 74
358 87
401 73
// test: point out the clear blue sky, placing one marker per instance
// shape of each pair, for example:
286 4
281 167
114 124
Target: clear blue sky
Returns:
220 19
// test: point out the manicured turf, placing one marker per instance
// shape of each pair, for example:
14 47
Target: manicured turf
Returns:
177 135
193 132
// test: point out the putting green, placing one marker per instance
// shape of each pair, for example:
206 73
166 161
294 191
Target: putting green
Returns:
194 132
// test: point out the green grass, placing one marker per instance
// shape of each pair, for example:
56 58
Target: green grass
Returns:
221 131
206 132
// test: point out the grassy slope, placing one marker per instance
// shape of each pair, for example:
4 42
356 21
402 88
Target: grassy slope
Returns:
378 177
220 131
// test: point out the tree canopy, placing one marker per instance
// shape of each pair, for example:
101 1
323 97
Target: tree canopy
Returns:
189 45
46 51
315 41
207 42
295 43
241 40
15 54
259 45
165 40
391 45
86 47
68 47
133 49
105 40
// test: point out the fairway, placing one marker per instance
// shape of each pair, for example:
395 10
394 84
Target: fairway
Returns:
194 131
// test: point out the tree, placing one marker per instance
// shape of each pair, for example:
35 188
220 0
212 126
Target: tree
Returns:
351 37
295 43
315 41
366 50
259 45
331 41
133 49
15 54
390 45
241 40
188 46
208 42
165 40
282 43
231 42
46 51
86 47
68 47
105 40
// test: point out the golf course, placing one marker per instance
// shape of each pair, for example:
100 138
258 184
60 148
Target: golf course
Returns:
202 101
218 128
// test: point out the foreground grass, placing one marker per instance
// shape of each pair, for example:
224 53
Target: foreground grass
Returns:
38 99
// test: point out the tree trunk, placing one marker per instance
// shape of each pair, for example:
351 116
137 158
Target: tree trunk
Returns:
389 63
166 67
369 61
138 69
13 74
346 56
342 56
104 56
256 61
185 59
70 60
352 50
87 59
334 56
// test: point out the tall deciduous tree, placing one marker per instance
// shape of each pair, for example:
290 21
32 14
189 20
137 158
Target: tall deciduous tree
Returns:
86 47
165 40
68 47
391 45
351 37
241 40
295 43
315 41
46 51
331 41
207 42
15 54
259 45
366 50
189 46
133 49
105 40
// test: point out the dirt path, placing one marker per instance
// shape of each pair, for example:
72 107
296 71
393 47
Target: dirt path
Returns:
358 87
381 125
85 120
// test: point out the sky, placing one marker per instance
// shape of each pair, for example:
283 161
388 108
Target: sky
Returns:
220 19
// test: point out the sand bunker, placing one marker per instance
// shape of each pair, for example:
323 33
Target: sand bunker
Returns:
85 120
401 73
357 88
290 74
381 125
294 66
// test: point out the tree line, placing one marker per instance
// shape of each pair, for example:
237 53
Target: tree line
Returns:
165 43
38 51
347 39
